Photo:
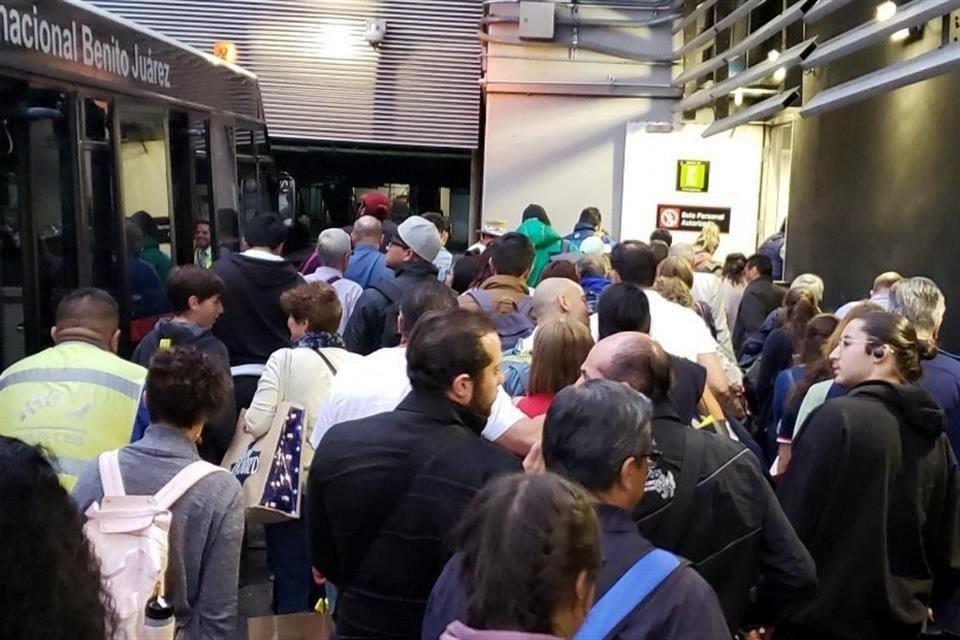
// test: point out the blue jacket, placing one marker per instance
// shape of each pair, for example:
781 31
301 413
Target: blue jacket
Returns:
367 266
593 286
683 606
582 231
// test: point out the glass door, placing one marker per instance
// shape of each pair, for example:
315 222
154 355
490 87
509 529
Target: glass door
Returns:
38 213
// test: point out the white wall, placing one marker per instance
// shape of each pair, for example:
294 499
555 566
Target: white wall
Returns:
650 175
557 114
562 152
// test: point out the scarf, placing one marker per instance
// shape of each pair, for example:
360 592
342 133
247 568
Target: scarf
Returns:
317 341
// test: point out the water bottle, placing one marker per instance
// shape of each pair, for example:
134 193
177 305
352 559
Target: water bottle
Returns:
158 621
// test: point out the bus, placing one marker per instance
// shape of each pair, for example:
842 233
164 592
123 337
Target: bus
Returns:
103 122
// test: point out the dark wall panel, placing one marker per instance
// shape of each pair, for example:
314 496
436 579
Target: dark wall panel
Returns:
876 186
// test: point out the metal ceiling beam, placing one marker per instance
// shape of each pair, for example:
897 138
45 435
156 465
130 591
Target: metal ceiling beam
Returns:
691 17
928 65
789 59
759 111
779 23
823 9
860 37
709 34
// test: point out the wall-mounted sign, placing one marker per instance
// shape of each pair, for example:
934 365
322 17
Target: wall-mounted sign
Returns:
693 176
678 217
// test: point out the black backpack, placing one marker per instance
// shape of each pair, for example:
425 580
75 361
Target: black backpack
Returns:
511 327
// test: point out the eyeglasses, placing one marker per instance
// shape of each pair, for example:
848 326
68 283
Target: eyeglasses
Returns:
397 243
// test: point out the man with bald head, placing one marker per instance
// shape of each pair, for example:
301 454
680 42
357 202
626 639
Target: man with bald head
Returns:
77 398
706 498
553 299
367 265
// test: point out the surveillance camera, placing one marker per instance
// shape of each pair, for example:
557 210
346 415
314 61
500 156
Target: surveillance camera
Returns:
375 31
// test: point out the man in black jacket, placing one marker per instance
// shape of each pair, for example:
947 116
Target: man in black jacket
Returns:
384 492
253 325
759 298
706 498
599 435
410 253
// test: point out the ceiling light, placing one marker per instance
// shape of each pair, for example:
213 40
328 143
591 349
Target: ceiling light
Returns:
901 35
780 75
738 97
886 10
773 55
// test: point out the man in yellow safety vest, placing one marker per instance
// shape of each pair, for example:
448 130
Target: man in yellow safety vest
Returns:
77 398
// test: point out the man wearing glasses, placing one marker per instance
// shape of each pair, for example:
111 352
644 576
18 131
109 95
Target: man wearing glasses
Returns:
599 434
410 253
706 497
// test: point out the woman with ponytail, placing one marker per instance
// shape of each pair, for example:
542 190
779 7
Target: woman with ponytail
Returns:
873 492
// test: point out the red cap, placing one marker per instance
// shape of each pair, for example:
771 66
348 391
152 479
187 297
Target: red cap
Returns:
375 204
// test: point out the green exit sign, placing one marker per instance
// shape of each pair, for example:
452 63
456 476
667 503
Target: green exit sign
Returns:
693 176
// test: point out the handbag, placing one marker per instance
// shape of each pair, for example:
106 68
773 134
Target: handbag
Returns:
268 468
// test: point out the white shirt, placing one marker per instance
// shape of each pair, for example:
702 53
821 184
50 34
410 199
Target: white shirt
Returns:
347 290
262 255
680 331
377 383
708 289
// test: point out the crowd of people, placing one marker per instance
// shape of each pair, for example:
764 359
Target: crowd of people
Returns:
547 437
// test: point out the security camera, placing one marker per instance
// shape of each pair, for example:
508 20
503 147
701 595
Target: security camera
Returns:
375 31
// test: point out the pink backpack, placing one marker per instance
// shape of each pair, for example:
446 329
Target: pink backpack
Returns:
130 536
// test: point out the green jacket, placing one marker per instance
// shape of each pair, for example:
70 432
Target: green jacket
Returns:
152 254
546 243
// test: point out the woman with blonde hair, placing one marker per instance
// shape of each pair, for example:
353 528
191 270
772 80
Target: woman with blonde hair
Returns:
705 246
559 349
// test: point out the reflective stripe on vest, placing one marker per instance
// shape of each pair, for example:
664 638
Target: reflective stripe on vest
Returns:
92 376
75 412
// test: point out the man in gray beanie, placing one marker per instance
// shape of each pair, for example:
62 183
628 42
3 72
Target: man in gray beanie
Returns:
410 253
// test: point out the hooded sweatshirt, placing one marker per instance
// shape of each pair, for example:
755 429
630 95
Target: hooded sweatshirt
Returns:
459 631
253 325
546 243
873 492
167 334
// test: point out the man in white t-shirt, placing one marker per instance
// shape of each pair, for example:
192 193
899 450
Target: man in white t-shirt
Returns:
680 331
378 382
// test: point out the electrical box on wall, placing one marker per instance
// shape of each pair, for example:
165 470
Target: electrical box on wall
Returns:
537 20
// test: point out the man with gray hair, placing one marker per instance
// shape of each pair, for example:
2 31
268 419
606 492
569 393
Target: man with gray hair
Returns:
920 301
333 256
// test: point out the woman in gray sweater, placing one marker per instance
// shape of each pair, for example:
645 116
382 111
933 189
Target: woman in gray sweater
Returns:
184 388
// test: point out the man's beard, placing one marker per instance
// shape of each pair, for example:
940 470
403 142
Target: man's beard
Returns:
483 409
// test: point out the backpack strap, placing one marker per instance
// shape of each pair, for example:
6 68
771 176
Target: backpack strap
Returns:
183 482
333 279
627 593
483 299
110 478
389 290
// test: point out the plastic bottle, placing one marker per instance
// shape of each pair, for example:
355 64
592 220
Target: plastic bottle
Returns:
159 622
